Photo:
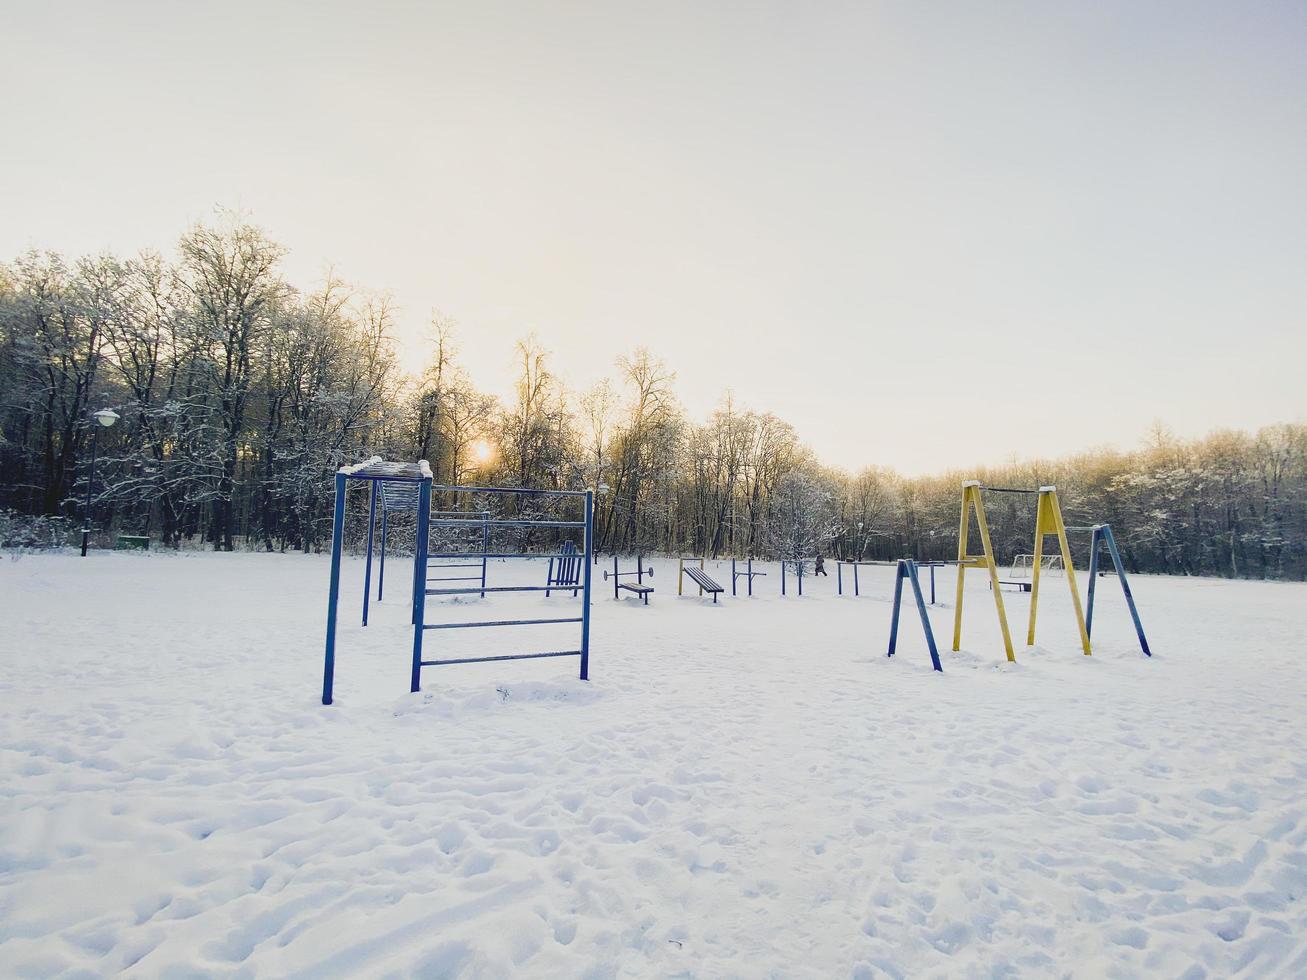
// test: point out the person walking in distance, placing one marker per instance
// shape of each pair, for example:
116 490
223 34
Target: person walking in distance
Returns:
820 567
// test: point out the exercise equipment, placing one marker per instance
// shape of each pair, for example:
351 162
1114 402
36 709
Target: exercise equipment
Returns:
1048 520
798 566
564 570
839 572
906 568
408 487
1101 534
748 574
698 576
640 572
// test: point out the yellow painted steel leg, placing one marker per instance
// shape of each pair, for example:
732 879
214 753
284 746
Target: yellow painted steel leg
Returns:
680 575
1042 526
962 568
1060 527
983 525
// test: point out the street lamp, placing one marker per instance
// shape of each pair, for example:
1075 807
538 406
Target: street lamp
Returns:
106 417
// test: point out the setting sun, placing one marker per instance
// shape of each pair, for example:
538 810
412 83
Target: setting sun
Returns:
482 452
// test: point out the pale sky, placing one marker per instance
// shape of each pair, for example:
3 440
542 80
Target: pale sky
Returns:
929 235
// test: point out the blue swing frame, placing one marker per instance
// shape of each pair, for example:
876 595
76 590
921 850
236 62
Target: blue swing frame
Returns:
907 569
1102 534
408 487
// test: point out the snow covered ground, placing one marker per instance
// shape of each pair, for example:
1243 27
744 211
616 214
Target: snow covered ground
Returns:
749 789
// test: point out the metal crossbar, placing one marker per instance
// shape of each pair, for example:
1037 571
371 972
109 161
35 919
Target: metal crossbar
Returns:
493 588
500 622
509 656
507 523
495 554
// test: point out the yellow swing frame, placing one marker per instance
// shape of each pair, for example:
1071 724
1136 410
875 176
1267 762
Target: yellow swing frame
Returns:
1048 520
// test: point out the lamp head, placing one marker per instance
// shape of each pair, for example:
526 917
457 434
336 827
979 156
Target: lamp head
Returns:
106 417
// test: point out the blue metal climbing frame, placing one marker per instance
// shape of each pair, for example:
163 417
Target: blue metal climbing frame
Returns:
408 487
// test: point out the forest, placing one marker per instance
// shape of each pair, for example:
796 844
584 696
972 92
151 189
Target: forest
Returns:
239 395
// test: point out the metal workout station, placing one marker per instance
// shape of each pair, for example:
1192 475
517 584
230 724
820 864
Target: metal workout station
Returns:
408 488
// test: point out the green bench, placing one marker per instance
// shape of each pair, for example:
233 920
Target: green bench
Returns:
132 542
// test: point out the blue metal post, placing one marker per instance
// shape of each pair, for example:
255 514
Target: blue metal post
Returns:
485 547
1125 584
585 604
750 567
381 571
855 581
839 578
367 567
420 580
782 576
732 576
932 584
333 594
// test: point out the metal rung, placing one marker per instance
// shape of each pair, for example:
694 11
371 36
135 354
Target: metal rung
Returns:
473 564
500 622
457 578
497 554
504 588
511 656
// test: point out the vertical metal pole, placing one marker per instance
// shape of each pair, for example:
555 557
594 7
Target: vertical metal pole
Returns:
614 576
367 567
333 590
86 511
732 576
932 585
381 571
856 591
800 567
839 577
585 604
751 577
420 581
485 547
782 576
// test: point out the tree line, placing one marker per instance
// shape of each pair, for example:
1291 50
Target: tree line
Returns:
239 396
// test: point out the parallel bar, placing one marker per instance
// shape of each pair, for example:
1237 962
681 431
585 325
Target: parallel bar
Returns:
501 622
455 578
464 564
420 583
511 656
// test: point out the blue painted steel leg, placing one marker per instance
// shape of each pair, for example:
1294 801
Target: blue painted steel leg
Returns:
1095 539
585 605
782 576
333 594
855 582
367 567
932 585
925 619
839 578
1112 550
750 567
381 570
894 616
420 581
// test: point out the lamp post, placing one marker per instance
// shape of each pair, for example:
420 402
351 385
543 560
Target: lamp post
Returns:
106 417
860 541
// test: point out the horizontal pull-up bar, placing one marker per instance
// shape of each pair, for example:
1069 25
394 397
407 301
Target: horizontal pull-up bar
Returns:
499 622
494 554
511 656
519 491
503 523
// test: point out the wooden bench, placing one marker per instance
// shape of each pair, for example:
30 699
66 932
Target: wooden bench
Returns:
641 590
700 578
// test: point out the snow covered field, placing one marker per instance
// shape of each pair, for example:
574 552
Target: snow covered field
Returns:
747 790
